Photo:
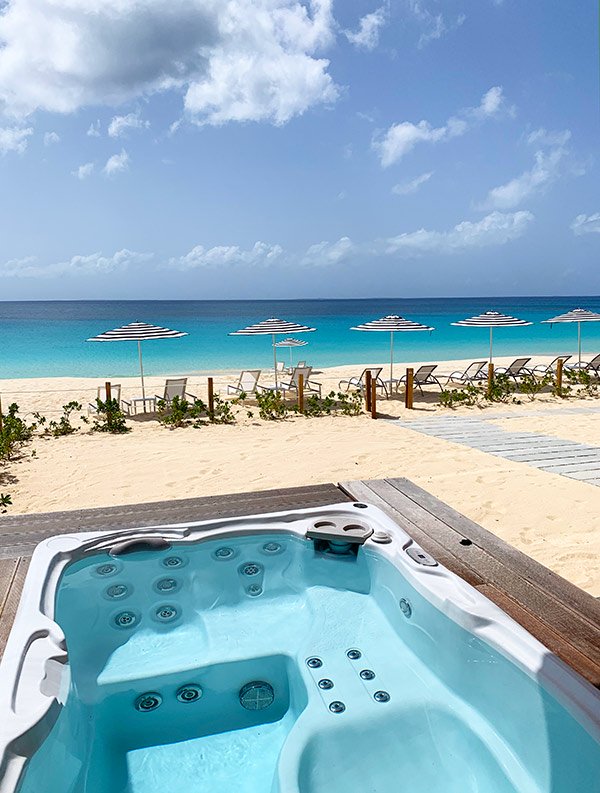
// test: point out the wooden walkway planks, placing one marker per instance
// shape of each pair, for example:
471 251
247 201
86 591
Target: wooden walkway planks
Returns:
563 617
19 534
556 455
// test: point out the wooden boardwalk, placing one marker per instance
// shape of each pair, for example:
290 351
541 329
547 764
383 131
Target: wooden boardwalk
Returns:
561 616
568 458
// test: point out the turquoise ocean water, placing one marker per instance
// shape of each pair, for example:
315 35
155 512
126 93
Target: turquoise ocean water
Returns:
44 339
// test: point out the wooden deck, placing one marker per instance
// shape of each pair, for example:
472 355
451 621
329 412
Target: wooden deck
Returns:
561 616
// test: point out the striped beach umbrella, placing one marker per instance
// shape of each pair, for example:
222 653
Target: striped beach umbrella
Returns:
392 324
577 315
291 343
491 320
138 331
273 327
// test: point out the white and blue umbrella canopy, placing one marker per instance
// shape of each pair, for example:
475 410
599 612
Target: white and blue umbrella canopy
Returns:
491 320
139 332
392 324
291 343
273 327
577 315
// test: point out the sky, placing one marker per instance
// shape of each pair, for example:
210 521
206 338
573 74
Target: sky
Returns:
283 149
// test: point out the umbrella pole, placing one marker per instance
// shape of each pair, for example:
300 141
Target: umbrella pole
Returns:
391 358
274 360
579 340
142 371
291 366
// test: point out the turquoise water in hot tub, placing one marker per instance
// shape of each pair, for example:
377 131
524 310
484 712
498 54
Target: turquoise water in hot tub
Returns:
255 665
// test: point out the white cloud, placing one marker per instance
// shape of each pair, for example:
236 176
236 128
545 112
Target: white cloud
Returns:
14 139
369 26
116 163
496 228
244 60
223 255
434 25
120 124
83 171
326 253
546 169
50 138
94 129
406 188
93 264
586 224
401 138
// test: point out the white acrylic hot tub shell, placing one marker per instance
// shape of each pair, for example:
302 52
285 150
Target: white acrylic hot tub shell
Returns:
34 677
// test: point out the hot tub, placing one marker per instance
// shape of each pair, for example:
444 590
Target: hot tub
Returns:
314 651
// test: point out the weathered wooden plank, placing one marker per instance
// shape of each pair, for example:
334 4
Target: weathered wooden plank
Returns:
10 601
565 468
561 590
544 633
361 491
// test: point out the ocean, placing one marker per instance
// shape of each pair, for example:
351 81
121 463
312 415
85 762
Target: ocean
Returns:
46 339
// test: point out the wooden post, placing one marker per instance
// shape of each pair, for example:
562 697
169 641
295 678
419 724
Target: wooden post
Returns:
373 398
211 396
559 377
490 379
409 392
108 390
368 379
301 393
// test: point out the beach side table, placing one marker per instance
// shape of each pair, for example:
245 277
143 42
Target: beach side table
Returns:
143 400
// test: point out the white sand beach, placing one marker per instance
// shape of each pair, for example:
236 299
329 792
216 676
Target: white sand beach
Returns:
554 519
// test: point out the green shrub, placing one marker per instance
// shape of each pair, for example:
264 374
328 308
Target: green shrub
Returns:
14 433
345 404
501 389
470 396
272 406
109 418
63 426
532 386
5 501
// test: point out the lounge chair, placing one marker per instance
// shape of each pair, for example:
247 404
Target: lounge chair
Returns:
309 387
359 383
247 382
174 387
115 393
474 373
516 369
423 376
589 366
281 366
549 368
290 369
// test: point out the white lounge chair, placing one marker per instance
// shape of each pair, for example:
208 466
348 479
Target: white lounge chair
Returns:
290 369
247 382
423 376
174 387
359 382
115 393
305 371
474 373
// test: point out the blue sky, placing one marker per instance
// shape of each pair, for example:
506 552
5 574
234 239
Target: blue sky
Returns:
273 148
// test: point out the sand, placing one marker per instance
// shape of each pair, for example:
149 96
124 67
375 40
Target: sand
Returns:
553 519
